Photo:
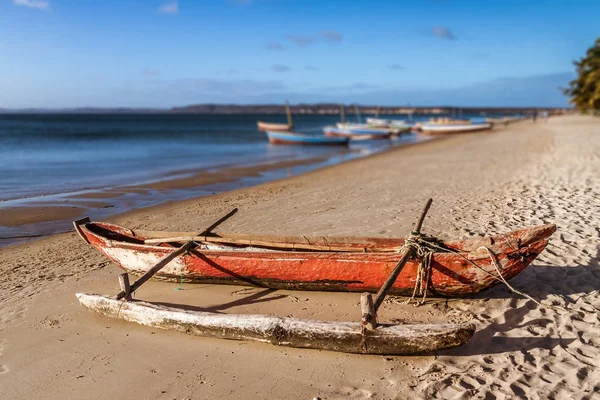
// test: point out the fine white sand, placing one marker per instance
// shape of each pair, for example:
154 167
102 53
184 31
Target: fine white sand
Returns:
483 183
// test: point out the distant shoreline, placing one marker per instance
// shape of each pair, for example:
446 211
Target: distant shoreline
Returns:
298 109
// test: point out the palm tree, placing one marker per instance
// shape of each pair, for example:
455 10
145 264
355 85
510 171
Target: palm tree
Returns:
584 91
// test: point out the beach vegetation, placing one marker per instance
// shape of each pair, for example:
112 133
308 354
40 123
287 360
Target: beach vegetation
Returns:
584 90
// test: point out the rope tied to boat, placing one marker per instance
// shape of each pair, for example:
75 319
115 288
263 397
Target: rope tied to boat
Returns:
423 248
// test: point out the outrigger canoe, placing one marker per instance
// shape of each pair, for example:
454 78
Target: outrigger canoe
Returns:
300 139
459 268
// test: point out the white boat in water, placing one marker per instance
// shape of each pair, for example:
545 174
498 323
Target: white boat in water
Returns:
387 123
356 133
438 129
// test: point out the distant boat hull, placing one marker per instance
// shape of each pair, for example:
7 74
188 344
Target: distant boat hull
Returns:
268 126
357 133
290 138
440 129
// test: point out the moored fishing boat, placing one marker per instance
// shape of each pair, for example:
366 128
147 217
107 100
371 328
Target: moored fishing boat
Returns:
458 268
269 126
437 129
357 133
301 139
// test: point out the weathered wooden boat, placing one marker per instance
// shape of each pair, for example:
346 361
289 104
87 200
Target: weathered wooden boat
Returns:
357 133
458 268
367 336
268 126
310 140
388 123
438 129
346 337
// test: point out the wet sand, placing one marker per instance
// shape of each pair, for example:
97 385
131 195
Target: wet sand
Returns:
483 183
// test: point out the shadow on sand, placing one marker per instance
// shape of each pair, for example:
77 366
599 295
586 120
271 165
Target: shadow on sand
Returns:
254 298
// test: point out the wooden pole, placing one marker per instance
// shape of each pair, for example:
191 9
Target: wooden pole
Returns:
357 111
404 257
342 117
124 282
369 315
125 288
160 265
289 114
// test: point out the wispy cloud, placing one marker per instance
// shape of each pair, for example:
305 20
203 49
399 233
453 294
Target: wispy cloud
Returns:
172 7
301 41
275 46
442 32
311 68
331 36
280 68
39 4
230 71
395 66
150 72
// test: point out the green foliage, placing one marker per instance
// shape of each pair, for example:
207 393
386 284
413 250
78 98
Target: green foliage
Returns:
584 91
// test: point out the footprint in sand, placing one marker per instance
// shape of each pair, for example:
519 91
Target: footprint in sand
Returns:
3 368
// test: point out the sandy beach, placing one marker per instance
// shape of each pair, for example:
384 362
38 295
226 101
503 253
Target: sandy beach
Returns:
483 183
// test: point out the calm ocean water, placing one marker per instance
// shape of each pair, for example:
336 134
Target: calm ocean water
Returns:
42 154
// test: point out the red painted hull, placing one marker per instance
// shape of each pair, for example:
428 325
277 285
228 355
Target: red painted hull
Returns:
363 270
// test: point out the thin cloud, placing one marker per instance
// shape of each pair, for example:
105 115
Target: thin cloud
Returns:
301 41
442 32
395 66
331 36
39 4
230 71
150 72
171 7
280 68
275 46
311 68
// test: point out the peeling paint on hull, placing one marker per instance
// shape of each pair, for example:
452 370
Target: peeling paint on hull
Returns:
451 275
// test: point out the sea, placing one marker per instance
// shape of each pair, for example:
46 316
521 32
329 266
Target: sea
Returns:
45 157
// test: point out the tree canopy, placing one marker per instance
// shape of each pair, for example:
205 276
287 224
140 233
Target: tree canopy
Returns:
584 91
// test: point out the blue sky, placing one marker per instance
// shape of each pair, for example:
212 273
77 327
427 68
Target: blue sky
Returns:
102 53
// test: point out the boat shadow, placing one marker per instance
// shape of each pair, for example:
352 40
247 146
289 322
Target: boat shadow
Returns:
255 298
541 282
486 341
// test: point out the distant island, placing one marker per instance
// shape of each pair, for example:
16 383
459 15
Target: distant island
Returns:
307 109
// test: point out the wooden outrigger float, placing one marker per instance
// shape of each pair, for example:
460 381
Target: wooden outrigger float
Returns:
283 331
366 336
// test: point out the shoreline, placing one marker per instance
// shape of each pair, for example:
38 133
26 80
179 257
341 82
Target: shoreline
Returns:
45 215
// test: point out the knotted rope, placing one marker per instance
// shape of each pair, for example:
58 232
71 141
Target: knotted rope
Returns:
423 247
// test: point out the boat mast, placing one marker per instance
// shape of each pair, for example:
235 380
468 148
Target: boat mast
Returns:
357 110
289 114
